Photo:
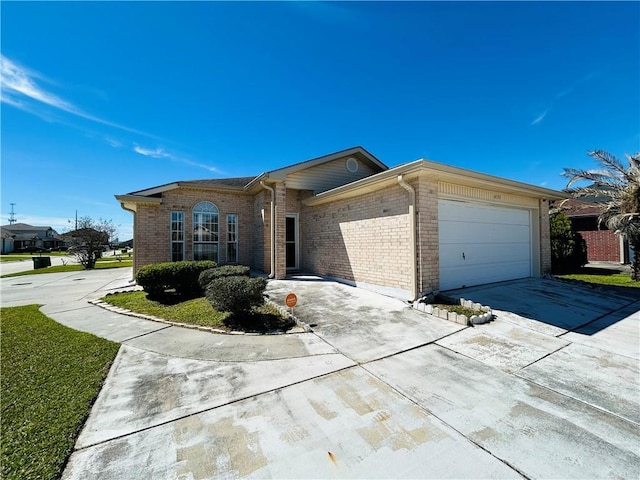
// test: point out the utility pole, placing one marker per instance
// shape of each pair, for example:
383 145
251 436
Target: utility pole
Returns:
76 220
12 215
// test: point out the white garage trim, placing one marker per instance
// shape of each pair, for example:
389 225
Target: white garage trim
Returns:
482 243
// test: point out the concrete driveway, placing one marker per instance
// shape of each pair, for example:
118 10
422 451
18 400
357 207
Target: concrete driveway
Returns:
375 391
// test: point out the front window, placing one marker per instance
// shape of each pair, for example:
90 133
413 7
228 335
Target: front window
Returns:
232 238
177 236
205 231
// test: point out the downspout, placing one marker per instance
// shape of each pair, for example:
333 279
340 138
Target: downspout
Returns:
273 228
413 239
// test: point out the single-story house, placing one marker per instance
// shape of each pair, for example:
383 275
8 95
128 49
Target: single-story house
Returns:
401 231
603 245
7 242
24 235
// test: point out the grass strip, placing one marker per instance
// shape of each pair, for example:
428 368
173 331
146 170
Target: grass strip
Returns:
617 279
70 268
51 375
197 311
12 257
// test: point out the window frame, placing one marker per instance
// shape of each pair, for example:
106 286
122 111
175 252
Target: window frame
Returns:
200 212
233 241
180 231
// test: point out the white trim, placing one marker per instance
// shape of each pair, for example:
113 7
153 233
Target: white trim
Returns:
184 239
206 211
237 241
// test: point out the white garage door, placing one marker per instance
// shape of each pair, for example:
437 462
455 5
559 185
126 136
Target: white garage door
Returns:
482 243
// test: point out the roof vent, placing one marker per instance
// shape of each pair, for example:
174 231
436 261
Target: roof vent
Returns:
352 165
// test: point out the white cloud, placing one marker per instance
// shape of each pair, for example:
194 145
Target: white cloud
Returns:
540 117
147 152
160 152
564 93
16 79
19 83
113 142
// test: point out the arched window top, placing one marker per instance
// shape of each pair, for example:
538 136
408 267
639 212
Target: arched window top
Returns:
205 207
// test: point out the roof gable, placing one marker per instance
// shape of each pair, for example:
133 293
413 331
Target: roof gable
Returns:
370 166
438 171
580 208
357 152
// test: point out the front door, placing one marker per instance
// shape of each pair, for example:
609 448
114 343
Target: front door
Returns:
291 241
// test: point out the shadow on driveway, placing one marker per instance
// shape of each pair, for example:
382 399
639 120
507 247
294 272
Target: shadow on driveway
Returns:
564 305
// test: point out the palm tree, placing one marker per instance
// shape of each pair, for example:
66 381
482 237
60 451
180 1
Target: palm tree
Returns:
617 187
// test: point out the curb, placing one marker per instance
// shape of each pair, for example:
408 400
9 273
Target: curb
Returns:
299 328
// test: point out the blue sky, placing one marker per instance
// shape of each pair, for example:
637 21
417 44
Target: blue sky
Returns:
105 98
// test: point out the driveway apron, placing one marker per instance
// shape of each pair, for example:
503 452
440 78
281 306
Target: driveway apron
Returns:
549 388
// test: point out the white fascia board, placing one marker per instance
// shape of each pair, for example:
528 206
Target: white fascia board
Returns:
440 172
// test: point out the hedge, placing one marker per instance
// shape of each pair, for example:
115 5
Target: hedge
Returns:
237 294
207 276
156 278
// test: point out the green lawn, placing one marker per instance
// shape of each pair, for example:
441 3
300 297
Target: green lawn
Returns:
199 311
615 279
21 257
18 257
14 258
71 268
51 376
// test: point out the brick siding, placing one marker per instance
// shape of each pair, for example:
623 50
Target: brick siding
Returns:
602 245
152 225
361 239
261 239
428 240
545 238
364 239
281 210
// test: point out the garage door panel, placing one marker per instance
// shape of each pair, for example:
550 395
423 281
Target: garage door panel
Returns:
484 254
459 277
482 243
463 233
467 212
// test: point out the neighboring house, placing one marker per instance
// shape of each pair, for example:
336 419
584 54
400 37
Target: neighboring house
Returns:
603 245
414 228
24 236
7 242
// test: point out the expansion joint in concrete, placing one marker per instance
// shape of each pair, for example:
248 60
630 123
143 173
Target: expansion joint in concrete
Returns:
421 407
206 410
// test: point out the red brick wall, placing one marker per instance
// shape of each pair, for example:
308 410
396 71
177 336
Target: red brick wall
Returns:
602 245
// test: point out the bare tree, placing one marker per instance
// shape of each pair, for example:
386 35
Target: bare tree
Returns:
617 187
88 239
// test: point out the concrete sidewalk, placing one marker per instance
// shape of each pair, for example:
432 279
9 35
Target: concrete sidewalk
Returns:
375 391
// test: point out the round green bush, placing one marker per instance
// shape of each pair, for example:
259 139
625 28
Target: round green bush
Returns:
225 271
182 277
236 294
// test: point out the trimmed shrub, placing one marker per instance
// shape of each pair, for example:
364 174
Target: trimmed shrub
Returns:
182 277
236 294
207 276
265 318
568 248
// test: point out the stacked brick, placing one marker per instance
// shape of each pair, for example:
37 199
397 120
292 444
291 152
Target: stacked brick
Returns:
602 246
